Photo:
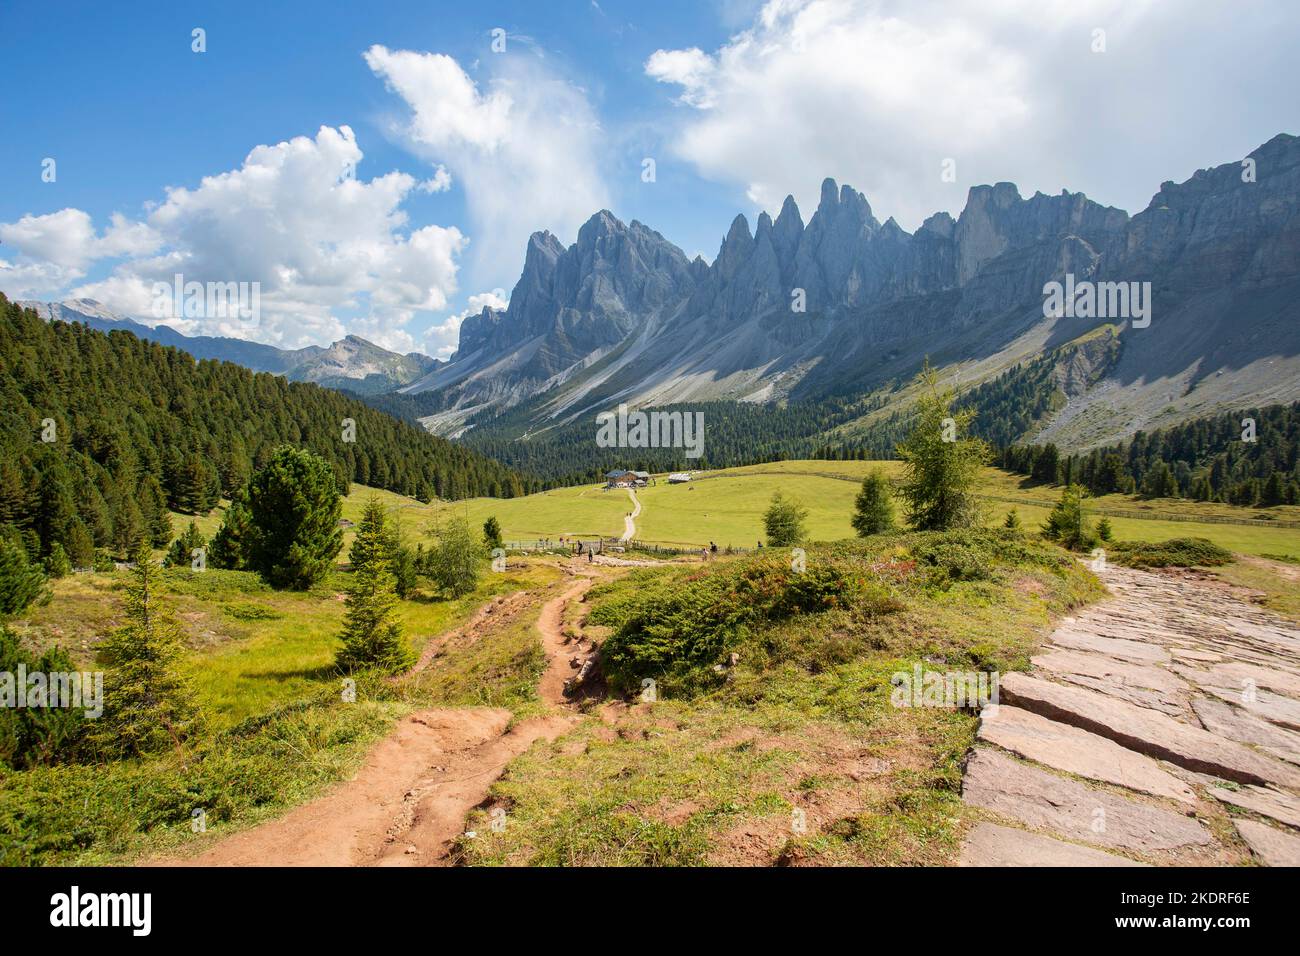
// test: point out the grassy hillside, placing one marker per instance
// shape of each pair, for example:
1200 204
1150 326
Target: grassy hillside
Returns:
277 730
796 755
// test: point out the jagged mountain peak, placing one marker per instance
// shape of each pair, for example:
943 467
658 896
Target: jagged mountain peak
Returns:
830 194
844 303
739 229
602 223
837 201
940 223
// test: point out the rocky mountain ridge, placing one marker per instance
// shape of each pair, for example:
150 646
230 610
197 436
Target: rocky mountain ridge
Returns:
846 303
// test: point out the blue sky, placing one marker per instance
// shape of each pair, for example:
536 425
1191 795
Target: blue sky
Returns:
463 150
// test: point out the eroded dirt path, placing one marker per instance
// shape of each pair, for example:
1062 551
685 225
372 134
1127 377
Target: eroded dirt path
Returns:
1158 727
559 649
408 803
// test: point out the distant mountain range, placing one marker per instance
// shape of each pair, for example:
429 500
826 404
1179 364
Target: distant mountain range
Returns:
623 315
351 363
844 309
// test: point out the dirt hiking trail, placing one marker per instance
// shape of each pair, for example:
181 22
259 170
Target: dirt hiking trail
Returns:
629 520
558 648
408 803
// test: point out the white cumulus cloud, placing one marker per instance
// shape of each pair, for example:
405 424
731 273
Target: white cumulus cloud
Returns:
441 339
524 146
879 93
56 248
321 243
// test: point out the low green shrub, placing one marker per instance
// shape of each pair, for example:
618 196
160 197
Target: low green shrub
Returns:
250 612
673 629
1174 553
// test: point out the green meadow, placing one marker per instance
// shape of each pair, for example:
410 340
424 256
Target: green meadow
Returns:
726 507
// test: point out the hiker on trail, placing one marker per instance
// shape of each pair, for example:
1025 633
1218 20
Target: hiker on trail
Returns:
589 555
713 547
760 544
580 547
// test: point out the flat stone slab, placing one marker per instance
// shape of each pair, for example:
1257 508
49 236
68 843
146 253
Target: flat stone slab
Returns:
1264 704
1046 801
1171 704
1273 846
991 845
1108 669
1146 731
1226 720
1279 806
1078 752
1117 647
1237 673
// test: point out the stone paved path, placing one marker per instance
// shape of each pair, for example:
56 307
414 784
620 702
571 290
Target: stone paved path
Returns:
1161 727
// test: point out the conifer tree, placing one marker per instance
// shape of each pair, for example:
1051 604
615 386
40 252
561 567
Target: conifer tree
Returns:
128 527
1066 525
229 546
55 507
372 635
57 564
181 553
148 705
1273 493
375 538
940 466
492 533
22 583
874 508
36 735
153 507
1160 482
294 510
784 522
